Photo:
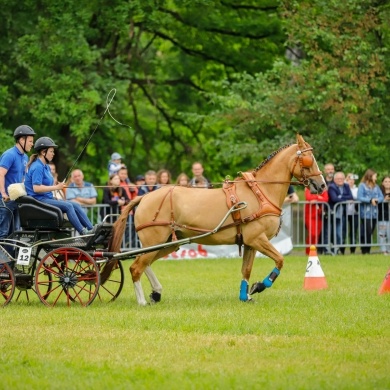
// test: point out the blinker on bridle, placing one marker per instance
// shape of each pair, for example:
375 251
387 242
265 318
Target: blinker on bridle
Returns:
305 162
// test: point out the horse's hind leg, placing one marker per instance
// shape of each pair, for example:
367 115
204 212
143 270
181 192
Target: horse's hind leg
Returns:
246 269
155 296
136 270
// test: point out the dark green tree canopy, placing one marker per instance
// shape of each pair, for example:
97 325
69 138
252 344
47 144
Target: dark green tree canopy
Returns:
61 58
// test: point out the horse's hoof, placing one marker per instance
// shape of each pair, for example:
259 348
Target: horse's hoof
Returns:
257 288
155 297
248 300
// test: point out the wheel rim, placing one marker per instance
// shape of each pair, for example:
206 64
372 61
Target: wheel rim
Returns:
7 284
112 285
67 276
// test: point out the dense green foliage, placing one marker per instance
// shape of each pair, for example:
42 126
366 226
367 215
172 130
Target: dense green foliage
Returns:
335 91
61 58
198 80
200 336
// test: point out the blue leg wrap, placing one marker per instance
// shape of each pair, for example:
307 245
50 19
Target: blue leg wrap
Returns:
243 290
269 280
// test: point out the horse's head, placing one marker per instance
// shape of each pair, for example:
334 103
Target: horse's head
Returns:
305 168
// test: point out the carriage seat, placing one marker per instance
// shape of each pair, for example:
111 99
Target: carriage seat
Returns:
35 214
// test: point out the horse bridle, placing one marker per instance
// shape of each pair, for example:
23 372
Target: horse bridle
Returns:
305 162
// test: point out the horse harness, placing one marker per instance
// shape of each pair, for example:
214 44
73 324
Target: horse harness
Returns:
266 207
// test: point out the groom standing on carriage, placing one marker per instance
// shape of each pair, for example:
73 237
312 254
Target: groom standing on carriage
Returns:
12 170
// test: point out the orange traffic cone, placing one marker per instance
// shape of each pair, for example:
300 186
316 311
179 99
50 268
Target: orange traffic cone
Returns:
314 276
385 288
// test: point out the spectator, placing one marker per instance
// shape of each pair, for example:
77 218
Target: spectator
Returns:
329 173
339 192
369 194
201 182
80 191
183 180
39 184
324 241
12 170
313 217
150 183
383 217
352 212
115 164
197 171
131 191
128 186
115 196
292 196
139 181
163 177
58 194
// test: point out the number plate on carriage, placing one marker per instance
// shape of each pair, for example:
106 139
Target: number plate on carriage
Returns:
24 256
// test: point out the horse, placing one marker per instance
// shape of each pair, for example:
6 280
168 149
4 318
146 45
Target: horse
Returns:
172 213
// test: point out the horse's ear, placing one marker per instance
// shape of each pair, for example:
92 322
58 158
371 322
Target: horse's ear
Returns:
300 141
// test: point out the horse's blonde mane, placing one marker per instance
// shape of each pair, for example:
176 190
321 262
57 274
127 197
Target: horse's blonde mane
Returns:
273 154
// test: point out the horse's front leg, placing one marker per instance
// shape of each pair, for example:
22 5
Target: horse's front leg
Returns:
269 250
246 269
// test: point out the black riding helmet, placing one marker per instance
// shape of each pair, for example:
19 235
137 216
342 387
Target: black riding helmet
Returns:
44 143
23 131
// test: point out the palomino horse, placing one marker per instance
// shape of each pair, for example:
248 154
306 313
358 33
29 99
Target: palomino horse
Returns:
174 212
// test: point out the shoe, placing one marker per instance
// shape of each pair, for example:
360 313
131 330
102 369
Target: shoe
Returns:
86 231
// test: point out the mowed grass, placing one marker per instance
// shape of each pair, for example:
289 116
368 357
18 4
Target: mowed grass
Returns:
202 337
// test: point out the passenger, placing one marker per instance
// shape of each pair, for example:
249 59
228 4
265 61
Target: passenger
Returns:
39 184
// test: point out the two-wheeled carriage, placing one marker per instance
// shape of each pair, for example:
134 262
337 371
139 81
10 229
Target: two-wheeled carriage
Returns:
60 268
53 263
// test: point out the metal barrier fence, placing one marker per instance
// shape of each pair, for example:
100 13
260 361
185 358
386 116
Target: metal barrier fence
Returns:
334 231
312 223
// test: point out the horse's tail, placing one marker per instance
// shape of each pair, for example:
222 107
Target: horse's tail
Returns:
120 225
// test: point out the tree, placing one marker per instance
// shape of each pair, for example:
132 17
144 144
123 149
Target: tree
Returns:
336 94
61 58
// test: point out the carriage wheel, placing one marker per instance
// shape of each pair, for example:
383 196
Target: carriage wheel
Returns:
111 286
66 276
7 283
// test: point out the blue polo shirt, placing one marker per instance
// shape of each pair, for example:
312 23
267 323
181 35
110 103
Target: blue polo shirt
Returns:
14 161
87 191
39 174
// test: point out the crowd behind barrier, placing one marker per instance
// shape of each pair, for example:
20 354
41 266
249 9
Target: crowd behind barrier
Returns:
353 234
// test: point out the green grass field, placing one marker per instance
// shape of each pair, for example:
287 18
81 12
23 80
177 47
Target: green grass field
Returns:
202 337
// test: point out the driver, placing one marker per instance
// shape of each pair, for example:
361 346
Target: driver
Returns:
40 184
